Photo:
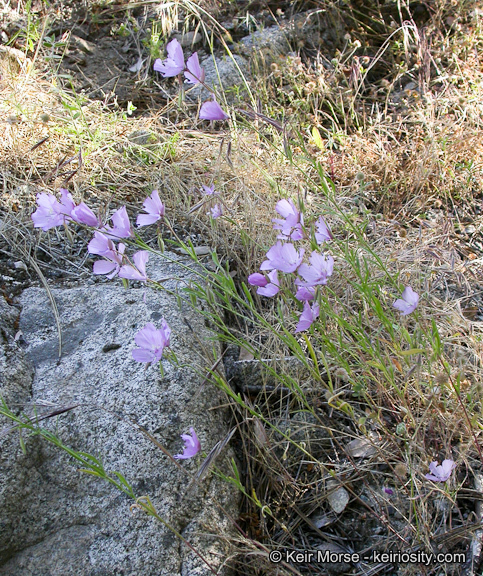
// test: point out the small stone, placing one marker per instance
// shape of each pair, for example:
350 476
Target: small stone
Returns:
338 500
188 39
225 71
83 45
361 448
198 250
19 265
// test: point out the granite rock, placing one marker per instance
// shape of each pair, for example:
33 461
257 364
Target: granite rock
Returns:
222 74
57 521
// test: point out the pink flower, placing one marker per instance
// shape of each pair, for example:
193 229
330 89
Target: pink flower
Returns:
291 226
408 303
100 244
112 263
154 208
305 294
271 288
151 342
122 226
216 211
323 233
211 110
104 246
66 201
50 212
440 473
174 63
138 273
192 446
208 190
317 273
195 72
257 280
283 257
84 215
307 317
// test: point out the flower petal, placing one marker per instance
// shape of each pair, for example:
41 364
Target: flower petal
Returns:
211 110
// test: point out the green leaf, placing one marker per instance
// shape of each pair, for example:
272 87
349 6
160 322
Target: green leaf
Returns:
412 352
317 138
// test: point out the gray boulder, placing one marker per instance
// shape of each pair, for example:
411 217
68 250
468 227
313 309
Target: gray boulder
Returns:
57 521
275 39
223 76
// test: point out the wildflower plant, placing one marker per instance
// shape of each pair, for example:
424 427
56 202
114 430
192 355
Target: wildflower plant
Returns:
442 472
174 65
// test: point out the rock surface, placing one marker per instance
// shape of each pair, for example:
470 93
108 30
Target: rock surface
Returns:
223 77
57 521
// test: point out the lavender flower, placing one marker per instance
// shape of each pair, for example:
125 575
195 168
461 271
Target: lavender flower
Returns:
138 273
317 273
100 244
174 63
291 225
122 226
408 301
323 234
151 342
84 215
305 294
192 446
66 201
195 72
257 280
50 212
112 263
154 208
216 211
283 257
440 473
211 110
271 288
208 190
307 317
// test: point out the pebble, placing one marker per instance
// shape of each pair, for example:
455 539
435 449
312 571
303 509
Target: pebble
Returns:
338 500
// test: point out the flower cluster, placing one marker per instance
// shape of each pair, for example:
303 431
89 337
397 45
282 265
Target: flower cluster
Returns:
174 65
150 341
284 257
52 212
